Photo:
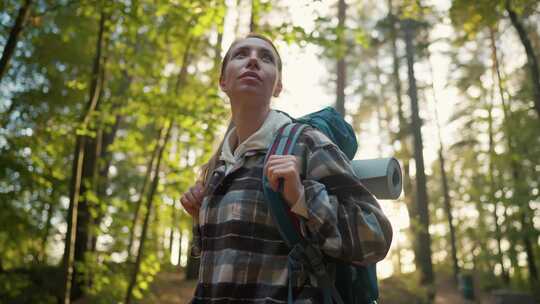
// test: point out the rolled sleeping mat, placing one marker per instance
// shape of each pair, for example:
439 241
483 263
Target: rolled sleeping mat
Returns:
381 176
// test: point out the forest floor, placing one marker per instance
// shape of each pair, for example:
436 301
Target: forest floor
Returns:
448 293
171 288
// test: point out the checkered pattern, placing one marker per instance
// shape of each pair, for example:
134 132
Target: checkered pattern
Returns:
243 257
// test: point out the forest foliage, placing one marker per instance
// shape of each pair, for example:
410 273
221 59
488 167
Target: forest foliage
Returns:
108 109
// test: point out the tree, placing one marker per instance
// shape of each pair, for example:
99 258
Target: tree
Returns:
81 147
424 240
341 71
163 140
532 61
14 36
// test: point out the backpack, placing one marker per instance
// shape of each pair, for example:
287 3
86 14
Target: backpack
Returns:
353 284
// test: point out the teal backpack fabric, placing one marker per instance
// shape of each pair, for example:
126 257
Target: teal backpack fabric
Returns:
353 284
330 122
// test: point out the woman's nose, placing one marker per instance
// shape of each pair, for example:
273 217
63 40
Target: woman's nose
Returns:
253 59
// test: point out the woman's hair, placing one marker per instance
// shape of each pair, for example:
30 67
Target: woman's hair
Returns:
211 165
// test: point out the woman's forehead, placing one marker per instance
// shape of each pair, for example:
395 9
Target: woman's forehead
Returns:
256 43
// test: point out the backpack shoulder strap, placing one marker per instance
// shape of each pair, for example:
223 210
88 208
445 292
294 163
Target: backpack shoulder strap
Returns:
283 145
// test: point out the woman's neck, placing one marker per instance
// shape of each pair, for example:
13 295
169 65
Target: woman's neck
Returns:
247 121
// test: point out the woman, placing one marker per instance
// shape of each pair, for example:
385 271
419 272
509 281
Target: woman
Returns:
243 257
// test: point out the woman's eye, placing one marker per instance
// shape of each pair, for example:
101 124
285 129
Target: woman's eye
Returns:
239 55
268 58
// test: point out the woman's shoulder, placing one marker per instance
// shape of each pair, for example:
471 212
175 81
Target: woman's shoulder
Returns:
314 139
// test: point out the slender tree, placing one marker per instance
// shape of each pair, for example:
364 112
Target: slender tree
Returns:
145 184
14 36
532 59
424 239
163 140
78 162
516 172
341 70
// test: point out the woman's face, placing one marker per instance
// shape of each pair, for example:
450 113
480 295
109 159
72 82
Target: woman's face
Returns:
252 70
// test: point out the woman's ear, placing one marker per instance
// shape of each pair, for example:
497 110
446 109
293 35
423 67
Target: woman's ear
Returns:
222 84
277 88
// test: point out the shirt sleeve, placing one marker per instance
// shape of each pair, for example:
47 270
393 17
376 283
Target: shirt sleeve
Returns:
343 218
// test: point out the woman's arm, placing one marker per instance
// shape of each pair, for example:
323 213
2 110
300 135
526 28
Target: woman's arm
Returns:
343 218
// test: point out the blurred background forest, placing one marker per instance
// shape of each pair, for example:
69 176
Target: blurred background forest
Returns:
109 108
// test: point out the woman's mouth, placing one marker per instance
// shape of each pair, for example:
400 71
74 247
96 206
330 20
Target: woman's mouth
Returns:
250 76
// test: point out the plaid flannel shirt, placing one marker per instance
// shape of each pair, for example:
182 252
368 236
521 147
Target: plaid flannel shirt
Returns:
243 258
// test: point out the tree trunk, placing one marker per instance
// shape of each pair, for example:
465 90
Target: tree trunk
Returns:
532 61
500 255
515 166
424 239
444 182
448 210
147 178
174 222
341 70
149 202
107 138
380 103
89 184
77 169
47 229
403 154
253 20
493 188
14 35
102 179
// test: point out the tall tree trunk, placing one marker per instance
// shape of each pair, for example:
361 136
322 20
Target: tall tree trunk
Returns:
102 179
516 169
174 221
500 255
380 104
107 138
444 180
532 61
254 16
14 35
402 135
424 239
142 192
149 202
89 184
47 229
448 210
341 70
78 161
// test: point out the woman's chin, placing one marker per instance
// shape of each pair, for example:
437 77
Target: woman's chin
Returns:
249 92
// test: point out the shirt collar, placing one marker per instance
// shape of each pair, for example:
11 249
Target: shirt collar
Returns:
260 140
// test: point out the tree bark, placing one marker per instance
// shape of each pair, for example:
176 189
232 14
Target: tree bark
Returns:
174 221
500 254
403 133
516 170
77 169
253 16
424 239
14 36
444 182
341 70
448 210
47 229
138 204
532 61
149 202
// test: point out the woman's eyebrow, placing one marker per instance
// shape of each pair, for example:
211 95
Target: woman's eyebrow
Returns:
247 48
